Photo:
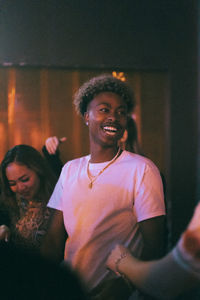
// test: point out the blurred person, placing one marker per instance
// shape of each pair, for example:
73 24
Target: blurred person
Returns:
25 275
180 267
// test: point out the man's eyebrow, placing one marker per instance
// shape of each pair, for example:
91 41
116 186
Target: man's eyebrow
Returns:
103 103
109 105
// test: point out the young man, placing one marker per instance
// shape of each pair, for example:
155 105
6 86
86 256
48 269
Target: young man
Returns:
108 197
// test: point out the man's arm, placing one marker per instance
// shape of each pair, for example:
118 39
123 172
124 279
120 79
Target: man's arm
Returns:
54 242
153 233
150 211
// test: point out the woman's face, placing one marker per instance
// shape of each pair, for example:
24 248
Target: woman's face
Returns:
22 180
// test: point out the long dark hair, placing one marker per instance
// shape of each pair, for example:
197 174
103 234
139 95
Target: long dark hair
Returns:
32 159
132 142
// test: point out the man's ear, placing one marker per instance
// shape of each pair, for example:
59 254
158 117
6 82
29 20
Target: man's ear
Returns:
86 118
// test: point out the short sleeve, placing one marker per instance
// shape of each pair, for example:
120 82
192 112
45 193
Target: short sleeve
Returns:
149 196
56 198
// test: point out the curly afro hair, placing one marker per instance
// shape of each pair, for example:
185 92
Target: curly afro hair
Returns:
100 84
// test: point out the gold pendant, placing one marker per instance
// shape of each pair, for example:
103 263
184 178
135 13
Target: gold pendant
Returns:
90 185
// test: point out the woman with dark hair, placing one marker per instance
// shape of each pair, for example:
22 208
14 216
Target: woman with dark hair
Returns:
27 184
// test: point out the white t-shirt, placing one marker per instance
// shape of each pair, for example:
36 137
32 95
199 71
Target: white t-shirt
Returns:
128 191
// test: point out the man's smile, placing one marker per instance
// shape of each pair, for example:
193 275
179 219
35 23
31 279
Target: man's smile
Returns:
111 129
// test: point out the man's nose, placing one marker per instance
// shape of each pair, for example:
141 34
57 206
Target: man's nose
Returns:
112 116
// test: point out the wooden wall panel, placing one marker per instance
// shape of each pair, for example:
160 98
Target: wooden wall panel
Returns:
154 116
37 102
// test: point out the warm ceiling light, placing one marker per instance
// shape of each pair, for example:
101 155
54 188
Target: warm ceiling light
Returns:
119 75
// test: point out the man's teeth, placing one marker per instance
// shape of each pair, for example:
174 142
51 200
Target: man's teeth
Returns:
110 129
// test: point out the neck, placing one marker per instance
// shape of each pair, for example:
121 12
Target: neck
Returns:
100 154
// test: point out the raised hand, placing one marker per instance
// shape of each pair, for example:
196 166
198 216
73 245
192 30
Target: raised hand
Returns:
52 143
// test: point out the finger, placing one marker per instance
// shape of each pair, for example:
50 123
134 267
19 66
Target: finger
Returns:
54 144
63 139
50 148
7 237
48 143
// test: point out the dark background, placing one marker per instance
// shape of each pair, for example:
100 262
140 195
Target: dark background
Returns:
86 33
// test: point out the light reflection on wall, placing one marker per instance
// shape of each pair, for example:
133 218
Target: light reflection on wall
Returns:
36 104
17 138
119 75
34 136
3 139
11 106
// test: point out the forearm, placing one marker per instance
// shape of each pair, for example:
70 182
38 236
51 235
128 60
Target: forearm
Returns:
133 269
153 232
162 279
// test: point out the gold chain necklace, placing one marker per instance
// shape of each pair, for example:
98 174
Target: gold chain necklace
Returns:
93 178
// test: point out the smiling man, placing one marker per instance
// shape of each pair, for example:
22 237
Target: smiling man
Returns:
108 197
